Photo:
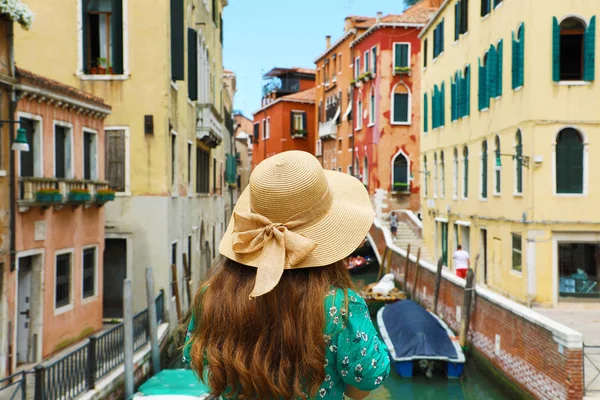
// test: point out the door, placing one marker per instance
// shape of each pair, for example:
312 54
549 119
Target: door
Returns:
115 271
24 309
466 235
485 255
445 242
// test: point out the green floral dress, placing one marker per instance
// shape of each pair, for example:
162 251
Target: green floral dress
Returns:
355 355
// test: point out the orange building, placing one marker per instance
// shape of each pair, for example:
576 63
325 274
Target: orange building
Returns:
335 71
286 119
387 71
56 291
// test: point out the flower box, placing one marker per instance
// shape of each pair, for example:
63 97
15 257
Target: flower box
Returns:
79 196
300 133
402 71
104 196
48 196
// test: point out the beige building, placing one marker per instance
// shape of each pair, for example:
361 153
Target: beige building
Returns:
160 68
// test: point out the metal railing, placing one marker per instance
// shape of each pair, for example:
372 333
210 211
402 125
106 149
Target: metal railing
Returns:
591 369
78 371
14 386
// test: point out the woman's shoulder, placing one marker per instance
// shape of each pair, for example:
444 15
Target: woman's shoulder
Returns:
341 304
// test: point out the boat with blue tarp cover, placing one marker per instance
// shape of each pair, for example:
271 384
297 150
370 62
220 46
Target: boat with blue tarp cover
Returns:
415 334
173 384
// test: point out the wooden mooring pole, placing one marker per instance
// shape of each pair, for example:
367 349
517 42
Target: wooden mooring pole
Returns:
152 320
417 269
176 290
467 299
438 282
188 280
382 265
128 337
406 265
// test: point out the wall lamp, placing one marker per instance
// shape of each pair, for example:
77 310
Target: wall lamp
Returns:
523 160
20 142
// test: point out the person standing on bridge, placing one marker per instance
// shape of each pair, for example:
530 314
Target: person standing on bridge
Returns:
278 317
462 262
394 224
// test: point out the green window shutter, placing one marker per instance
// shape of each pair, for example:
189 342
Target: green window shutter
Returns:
117 37
456 20
515 62
521 67
468 91
452 99
425 53
304 123
398 55
555 50
433 108
177 41
221 29
466 175
569 162
491 69
375 61
425 110
589 59
404 56
443 106
401 107
499 69
519 164
482 79
445 242
192 64
291 122
484 171
442 36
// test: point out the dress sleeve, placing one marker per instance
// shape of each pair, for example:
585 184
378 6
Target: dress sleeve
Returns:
362 357
187 347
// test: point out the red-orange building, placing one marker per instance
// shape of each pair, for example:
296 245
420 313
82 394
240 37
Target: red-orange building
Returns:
387 71
286 119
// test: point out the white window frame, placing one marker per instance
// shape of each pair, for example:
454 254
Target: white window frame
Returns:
487 189
409 111
79 73
435 176
319 148
359 112
94 173
442 163
94 297
125 129
374 55
268 130
367 63
516 191
455 178
299 115
70 306
38 138
394 56
465 176
356 68
584 136
496 168
372 107
512 252
407 158
70 167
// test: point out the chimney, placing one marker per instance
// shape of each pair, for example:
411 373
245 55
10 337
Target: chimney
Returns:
379 15
328 42
348 24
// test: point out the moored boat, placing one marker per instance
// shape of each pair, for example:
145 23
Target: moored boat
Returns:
413 334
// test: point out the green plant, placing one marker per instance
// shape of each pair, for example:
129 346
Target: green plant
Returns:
101 62
79 191
48 191
105 192
402 69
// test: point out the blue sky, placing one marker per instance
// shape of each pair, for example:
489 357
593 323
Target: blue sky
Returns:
263 34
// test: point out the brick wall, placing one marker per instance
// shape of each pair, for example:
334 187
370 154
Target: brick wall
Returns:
541 357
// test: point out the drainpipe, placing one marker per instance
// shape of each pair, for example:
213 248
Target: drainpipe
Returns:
11 166
356 174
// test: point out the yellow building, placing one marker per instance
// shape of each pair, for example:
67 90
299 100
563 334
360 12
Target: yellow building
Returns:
511 115
160 68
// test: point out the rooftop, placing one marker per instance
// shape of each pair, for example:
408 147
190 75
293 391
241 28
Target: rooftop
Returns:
306 95
277 71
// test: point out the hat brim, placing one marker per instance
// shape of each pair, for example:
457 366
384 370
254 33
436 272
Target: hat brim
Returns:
337 234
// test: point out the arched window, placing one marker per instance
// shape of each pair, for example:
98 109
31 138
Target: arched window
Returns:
425 176
466 172
569 162
400 173
455 174
366 172
484 170
519 163
372 107
435 175
498 167
442 176
401 105
570 53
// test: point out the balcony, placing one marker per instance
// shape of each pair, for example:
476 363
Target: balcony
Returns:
46 192
328 130
209 128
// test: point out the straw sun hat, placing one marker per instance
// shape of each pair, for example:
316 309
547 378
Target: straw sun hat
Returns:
294 214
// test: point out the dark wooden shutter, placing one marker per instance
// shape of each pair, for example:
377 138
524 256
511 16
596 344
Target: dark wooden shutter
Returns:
425 54
115 159
467 83
27 157
304 123
555 50
374 60
85 38
464 13
442 36
569 162
400 107
221 29
192 64
484 171
60 134
117 36
519 163
466 173
177 40
397 56
87 157
63 280
456 20
515 61
521 67
443 106
453 98
445 242
589 60
291 123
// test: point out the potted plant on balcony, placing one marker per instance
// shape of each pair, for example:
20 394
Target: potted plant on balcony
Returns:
402 70
48 195
299 133
101 65
104 196
79 195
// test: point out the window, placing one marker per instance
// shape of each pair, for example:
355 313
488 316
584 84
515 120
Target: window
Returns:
256 131
189 170
350 170
461 21
494 71
339 145
425 53
115 159
401 55
517 253
103 36
215 12
268 128
192 64
401 105
202 170
435 176
456 20
497 3
497 168
264 129
484 99
334 69
173 262
573 50
425 177
319 150
174 161
359 114
425 112
465 172
578 268
444 244
214 246
298 123
569 162
90 155
455 174
485 7
31 162
89 272
340 62
484 170
460 94
438 39
374 60
438 115
519 163
367 64
356 68
189 258
442 176
63 280
372 107
63 156
400 178
177 42
214 177
518 57
366 172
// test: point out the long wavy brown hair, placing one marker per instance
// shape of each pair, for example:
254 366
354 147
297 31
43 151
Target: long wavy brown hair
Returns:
268 347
